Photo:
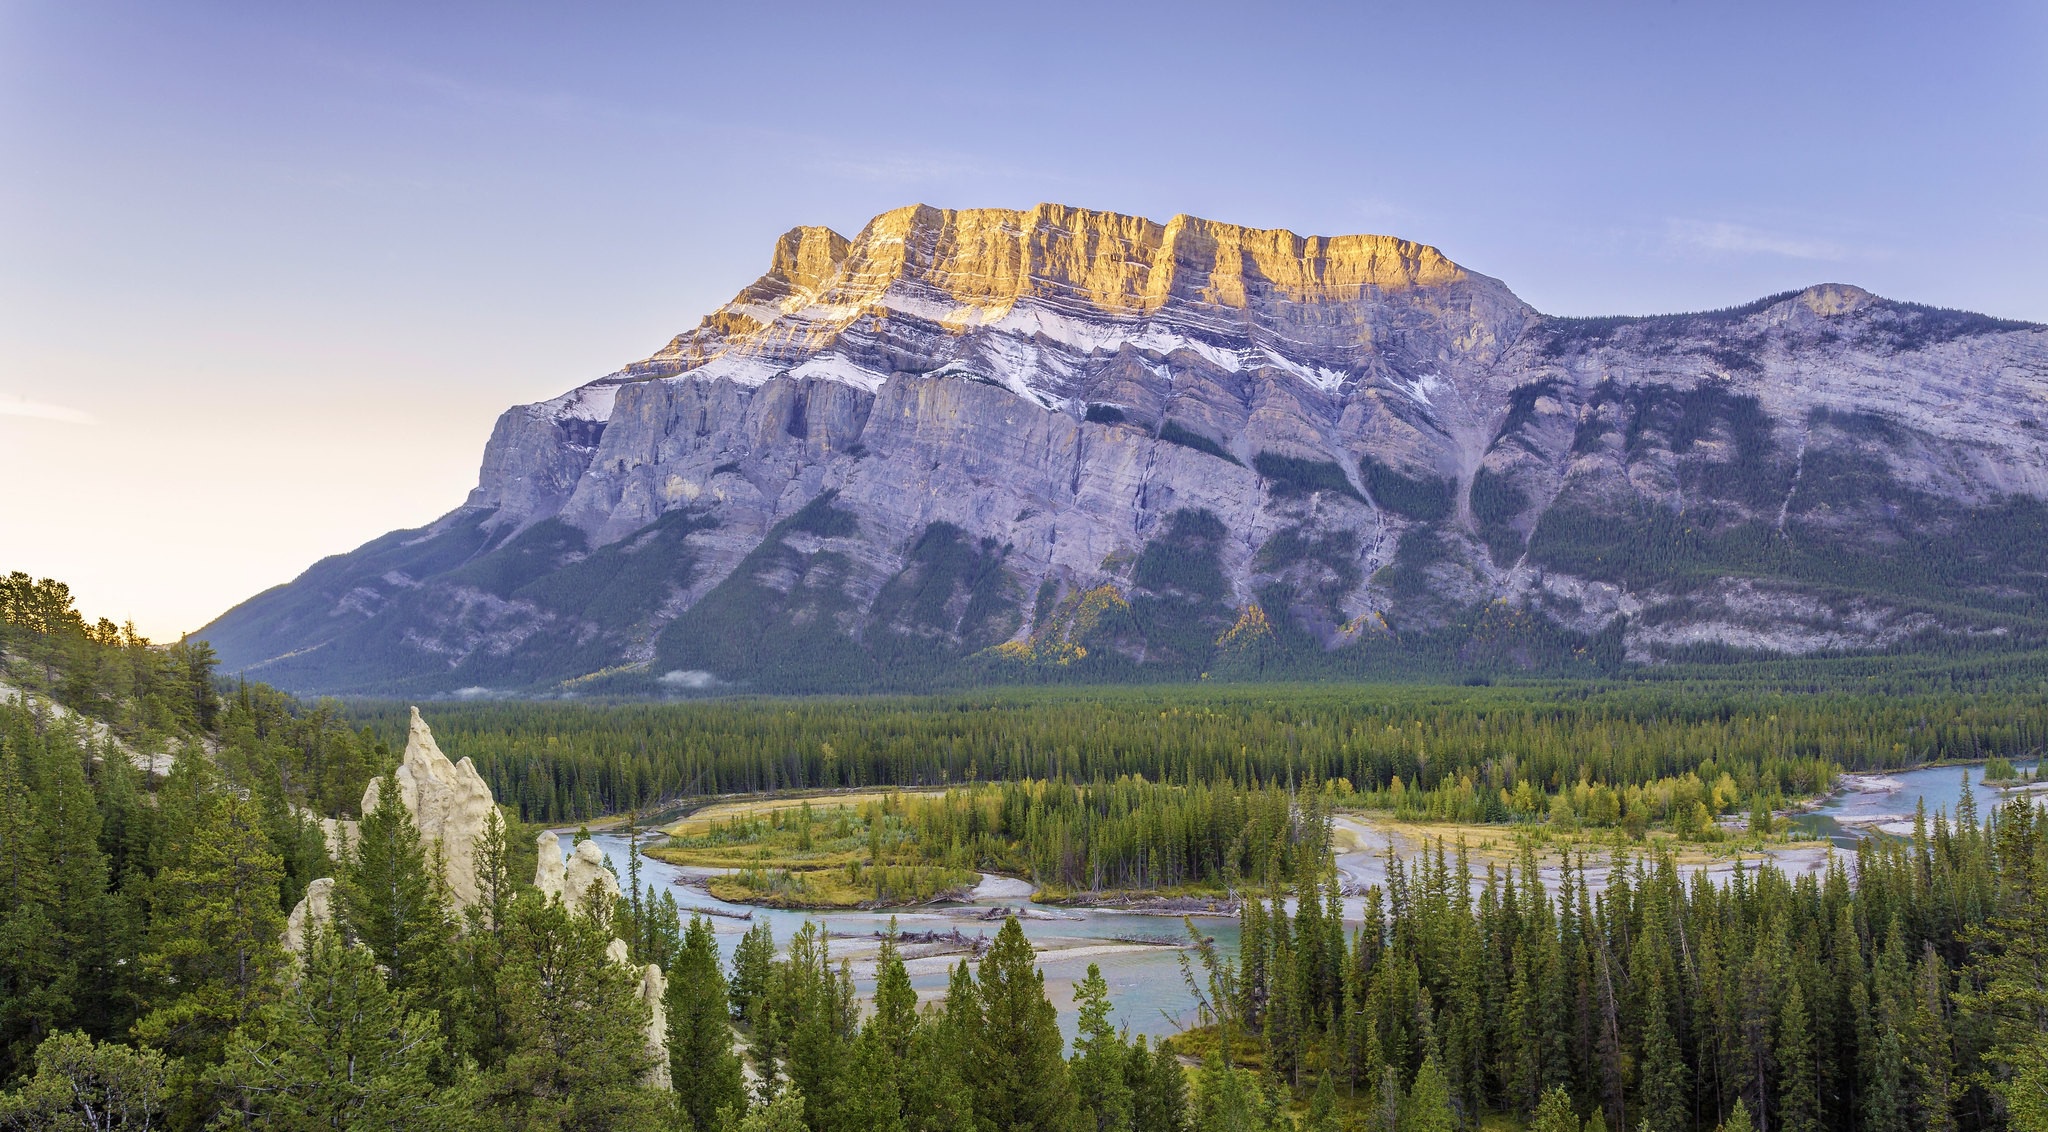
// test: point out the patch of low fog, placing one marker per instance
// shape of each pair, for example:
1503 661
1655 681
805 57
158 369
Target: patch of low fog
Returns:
692 679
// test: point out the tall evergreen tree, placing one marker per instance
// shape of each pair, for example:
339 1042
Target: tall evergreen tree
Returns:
894 1020
216 951
753 961
1798 1091
706 1072
1019 1079
339 1049
1554 1113
1231 1100
1159 1089
576 1030
1098 1068
1428 1107
391 897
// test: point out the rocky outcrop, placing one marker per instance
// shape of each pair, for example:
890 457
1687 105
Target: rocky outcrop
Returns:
316 907
920 448
575 883
549 873
571 882
449 802
654 994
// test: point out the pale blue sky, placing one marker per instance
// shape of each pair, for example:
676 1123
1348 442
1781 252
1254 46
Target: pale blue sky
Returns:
269 271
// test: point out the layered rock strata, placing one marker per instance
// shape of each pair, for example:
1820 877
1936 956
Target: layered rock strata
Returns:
931 442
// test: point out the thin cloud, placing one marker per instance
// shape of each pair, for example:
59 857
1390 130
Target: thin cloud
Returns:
42 411
1724 237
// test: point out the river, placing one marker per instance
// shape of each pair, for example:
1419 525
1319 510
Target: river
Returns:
1145 980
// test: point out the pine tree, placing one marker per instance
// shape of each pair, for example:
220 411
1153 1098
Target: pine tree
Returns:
1230 1100
216 935
2007 999
1738 1119
935 1094
35 974
810 1025
1099 1055
575 1029
1019 1078
390 898
1322 1109
894 1020
784 1113
708 1077
1931 1057
1662 1069
339 1049
81 1084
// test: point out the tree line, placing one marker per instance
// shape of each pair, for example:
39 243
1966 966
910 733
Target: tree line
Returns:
1912 998
560 762
1120 835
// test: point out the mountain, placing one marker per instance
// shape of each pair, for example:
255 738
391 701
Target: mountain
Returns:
1062 444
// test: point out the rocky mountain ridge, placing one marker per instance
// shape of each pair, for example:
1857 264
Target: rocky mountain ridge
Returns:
1066 444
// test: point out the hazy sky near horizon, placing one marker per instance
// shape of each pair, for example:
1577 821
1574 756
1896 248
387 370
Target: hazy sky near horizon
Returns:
268 272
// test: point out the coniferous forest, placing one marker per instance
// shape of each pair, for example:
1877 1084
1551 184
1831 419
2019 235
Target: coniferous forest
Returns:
158 824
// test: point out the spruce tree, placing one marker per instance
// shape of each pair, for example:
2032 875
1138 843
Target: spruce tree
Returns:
1099 1054
1159 1089
1554 1113
895 1008
705 1069
575 1029
391 898
34 972
785 1113
1322 1109
1428 1107
1231 1100
1019 1079
216 949
339 1049
1798 1094
810 1025
935 1095
753 961
1931 1059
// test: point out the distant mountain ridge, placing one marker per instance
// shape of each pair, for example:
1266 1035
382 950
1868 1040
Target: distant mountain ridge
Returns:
1057 443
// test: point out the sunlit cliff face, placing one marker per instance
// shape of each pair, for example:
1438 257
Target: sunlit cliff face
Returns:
1039 271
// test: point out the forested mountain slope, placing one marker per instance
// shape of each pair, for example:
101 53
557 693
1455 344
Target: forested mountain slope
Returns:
1064 444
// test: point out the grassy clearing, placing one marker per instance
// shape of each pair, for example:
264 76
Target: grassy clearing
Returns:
886 886
1503 843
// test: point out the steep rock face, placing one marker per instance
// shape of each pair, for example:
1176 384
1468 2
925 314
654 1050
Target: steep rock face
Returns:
449 801
1068 438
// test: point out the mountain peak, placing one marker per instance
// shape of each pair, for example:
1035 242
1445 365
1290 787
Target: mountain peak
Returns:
1088 281
1068 437
1830 299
